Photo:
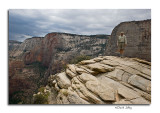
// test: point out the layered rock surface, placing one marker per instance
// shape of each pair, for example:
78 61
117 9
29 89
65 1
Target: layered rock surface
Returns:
138 35
102 80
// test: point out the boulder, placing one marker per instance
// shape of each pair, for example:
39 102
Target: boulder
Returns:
80 71
99 68
84 62
72 67
88 70
62 80
87 77
116 74
70 73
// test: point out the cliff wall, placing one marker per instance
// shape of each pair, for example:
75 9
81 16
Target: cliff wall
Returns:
138 35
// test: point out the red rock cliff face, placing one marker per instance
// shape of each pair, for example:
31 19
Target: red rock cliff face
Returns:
138 35
44 51
56 47
36 58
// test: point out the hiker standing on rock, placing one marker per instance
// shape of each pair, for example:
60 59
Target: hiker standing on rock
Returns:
121 43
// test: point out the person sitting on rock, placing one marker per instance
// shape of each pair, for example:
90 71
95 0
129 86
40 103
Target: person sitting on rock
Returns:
121 43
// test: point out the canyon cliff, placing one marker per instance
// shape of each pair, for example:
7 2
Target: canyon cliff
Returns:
138 35
63 68
12 44
32 61
62 46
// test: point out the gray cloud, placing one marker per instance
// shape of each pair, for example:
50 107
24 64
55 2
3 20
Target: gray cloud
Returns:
27 23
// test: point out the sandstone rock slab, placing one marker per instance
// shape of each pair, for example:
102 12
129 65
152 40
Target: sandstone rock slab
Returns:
97 67
76 84
104 92
84 62
63 80
70 73
72 67
140 82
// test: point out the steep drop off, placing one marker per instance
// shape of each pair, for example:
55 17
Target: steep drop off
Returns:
101 80
32 61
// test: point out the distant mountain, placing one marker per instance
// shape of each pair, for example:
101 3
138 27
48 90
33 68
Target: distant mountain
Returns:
12 44
32 61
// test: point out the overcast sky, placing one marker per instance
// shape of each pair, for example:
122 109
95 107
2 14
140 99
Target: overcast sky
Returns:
28 23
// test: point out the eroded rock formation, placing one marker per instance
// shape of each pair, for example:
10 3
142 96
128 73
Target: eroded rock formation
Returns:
61 46
138 35
102 80
23 47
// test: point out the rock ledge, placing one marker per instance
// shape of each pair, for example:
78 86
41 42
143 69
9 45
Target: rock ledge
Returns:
103 80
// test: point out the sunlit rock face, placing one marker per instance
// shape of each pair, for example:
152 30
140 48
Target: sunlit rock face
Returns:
138 35
102 80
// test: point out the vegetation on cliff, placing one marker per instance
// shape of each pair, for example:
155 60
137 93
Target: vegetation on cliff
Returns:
24 81
41 97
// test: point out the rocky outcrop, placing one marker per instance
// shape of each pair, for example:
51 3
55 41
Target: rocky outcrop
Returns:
138 35
102 80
